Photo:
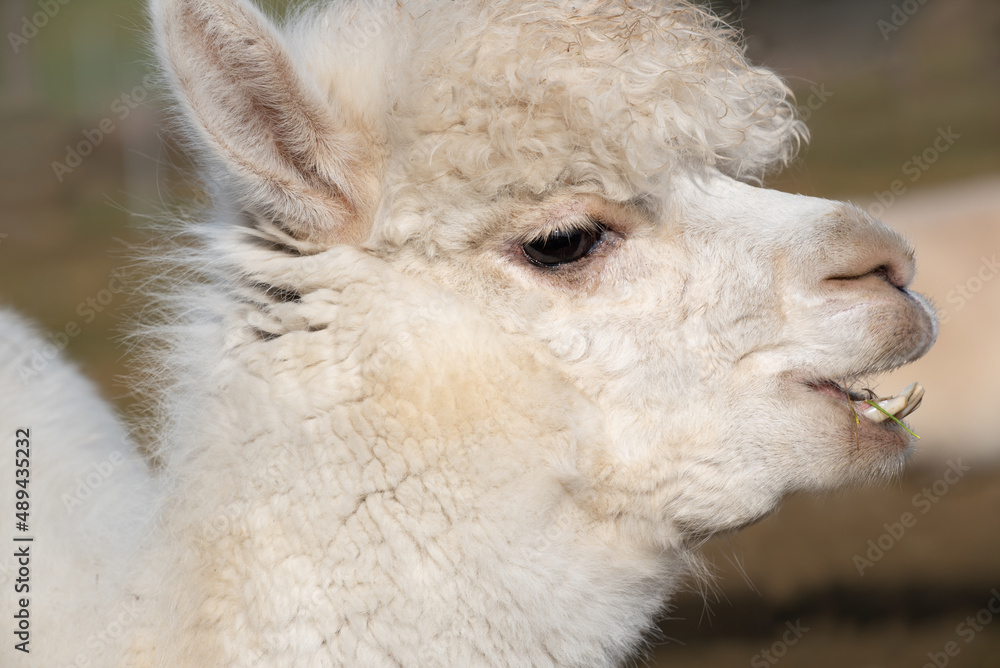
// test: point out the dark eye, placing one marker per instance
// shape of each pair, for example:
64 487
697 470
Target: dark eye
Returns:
563 247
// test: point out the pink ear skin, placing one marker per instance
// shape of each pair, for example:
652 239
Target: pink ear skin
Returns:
265 127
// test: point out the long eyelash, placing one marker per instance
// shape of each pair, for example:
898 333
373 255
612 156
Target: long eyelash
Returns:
588 222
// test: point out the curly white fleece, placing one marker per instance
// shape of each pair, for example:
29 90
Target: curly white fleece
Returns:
515 95
383 451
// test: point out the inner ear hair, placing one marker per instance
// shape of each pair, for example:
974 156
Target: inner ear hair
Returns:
267 128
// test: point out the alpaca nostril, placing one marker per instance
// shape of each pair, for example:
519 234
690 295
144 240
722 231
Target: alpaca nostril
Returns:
896 275
855 247
885 273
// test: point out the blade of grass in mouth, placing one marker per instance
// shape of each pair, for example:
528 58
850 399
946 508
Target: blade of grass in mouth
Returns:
891 417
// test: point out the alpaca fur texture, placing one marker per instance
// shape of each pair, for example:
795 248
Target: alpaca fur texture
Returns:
389 438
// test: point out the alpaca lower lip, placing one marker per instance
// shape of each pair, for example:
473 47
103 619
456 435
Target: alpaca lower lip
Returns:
897 406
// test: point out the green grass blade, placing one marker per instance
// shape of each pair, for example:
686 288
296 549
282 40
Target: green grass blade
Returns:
891 417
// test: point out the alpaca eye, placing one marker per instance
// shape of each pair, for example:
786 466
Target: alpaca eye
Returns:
563 247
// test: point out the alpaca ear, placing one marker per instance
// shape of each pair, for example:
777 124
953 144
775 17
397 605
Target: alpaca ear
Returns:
292 157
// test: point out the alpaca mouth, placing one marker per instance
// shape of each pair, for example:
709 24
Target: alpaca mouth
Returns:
876 410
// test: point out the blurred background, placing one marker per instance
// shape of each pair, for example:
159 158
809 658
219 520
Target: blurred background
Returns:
903 100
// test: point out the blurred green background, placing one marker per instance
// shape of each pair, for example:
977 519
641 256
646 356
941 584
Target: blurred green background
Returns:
876 81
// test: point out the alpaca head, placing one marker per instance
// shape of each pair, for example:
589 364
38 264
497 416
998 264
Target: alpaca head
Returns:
576 174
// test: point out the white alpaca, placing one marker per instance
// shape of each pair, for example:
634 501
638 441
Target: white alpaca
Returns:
492 335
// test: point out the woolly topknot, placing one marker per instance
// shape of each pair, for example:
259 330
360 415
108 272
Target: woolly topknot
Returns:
530 95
